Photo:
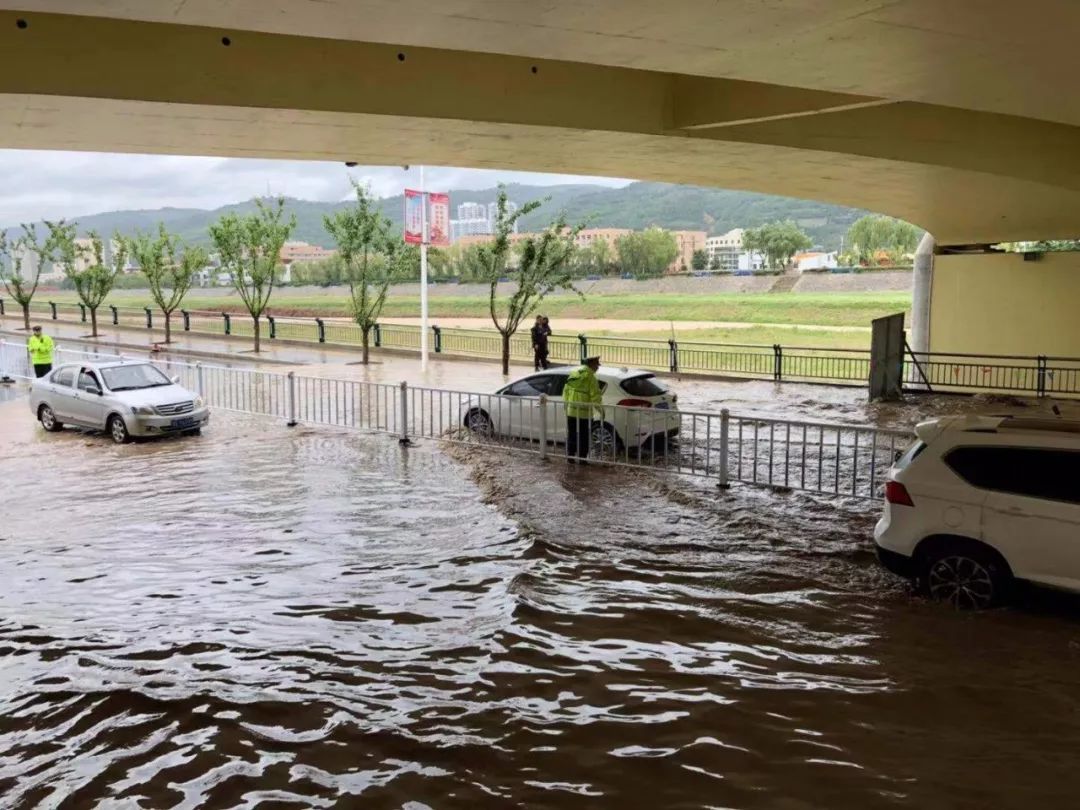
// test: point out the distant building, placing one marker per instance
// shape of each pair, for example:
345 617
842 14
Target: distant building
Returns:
813 260
477 219
589 236
303 252
688 242
723 251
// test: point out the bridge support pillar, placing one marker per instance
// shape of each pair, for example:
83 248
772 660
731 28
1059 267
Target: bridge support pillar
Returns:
922 283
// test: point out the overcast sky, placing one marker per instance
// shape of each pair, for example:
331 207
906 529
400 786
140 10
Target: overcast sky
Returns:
53 185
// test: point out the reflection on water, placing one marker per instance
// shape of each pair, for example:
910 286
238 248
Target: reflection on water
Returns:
307 618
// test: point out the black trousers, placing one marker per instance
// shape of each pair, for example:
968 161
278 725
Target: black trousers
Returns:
41 369
578 432
540 359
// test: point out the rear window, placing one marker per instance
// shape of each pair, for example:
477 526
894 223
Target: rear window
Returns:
644 386
1033 472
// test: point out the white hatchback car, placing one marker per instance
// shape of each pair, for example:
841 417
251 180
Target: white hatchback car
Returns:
123 398
979 501
640 411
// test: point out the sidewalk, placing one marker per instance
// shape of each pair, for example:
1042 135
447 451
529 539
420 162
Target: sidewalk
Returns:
469 375
134 341
385 366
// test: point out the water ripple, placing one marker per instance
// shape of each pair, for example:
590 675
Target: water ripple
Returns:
266 617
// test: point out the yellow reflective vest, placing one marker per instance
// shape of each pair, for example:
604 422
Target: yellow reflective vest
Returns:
41 350
582 394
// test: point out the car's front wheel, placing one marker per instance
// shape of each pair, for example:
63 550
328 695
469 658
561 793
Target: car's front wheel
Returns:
48 419
479 422
118 430
965 575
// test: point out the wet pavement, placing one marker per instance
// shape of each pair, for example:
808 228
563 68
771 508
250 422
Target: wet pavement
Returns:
306 618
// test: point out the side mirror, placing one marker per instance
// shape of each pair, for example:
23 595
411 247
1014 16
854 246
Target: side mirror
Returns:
95 391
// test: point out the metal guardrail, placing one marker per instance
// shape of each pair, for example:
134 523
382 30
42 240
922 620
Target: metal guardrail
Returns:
832 459
1039 375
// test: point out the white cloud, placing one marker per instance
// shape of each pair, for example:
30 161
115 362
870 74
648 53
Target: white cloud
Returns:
54 185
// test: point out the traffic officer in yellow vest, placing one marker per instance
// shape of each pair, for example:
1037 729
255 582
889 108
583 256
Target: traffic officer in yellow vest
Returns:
582 398
41 352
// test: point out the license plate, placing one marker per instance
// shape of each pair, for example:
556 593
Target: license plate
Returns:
662 406
187 421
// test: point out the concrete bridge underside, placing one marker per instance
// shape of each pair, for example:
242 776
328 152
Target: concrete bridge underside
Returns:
956 116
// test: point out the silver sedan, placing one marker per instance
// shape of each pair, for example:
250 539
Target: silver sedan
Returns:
123 398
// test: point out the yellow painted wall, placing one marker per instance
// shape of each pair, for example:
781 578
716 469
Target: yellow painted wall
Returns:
1000 304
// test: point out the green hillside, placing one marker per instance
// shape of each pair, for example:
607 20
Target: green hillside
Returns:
637 205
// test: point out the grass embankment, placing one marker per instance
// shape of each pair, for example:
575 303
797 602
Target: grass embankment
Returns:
812 309
756 335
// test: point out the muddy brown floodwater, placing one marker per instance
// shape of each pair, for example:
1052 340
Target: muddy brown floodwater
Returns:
311 618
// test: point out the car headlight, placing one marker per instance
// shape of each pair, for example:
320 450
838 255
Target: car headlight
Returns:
143 410
199 402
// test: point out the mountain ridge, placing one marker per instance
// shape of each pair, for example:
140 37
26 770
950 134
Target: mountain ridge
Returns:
637 205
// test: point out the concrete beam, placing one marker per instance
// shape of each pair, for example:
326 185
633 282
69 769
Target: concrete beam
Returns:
72 82
702 103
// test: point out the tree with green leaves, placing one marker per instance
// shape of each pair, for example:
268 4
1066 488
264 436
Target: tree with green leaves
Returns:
371 258
594 258
170 268
467 262
92 273
20 281
647 253
250 251
870 235
778 242
700 260
543 264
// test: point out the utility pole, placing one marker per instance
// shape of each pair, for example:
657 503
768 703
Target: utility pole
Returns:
423 274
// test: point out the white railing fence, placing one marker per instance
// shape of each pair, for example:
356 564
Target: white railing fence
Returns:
834 459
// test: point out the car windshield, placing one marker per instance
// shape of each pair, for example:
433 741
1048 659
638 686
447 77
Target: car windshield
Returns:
131 378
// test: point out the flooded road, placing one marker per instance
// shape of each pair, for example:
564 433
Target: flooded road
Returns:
309 618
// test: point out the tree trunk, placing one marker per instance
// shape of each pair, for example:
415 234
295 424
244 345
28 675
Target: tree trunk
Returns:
505 353
364 344
168 327
255 318
26 315
93 321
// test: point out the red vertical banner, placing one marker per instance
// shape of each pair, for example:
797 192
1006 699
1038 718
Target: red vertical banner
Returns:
439 219
414 217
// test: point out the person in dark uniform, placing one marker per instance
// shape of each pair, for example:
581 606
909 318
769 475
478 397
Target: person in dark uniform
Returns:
539 334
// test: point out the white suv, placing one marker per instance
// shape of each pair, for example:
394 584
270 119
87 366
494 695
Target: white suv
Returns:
979 501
